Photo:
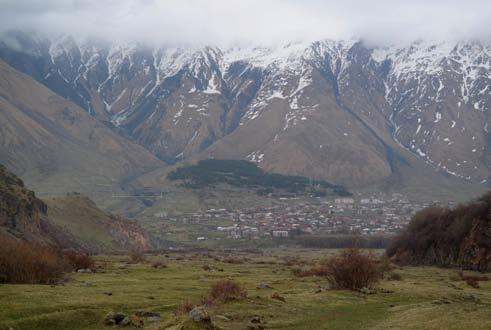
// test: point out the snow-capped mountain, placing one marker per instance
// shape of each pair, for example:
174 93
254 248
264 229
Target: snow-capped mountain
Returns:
336 110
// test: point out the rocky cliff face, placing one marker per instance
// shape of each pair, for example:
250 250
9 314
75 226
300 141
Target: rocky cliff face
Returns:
337 110
20 210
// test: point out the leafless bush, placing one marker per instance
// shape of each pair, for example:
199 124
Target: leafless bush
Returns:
159 264
227 290
184 308
473 280
78 260
137 255
352 270
30 263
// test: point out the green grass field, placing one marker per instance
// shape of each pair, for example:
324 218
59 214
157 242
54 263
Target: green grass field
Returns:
425 298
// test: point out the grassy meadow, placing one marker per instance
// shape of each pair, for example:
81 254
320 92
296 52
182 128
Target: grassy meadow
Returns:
422 298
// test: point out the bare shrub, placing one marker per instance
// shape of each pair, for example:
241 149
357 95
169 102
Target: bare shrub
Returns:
78 260
227 290
30 263
137 255
159 264
352 270
473 280
184 308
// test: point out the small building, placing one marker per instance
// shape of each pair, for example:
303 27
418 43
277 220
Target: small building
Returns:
344 201
280 233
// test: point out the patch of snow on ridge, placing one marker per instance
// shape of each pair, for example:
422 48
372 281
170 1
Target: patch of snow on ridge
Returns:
212 87
418 57
438 117
304 81
280 57
255 157
422 154
419 61
120 117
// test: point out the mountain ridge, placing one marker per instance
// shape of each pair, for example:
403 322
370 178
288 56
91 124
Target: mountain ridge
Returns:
369 102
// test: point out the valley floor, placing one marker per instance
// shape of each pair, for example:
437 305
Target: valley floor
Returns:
425 298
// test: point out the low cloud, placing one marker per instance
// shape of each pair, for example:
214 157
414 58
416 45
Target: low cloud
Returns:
237 22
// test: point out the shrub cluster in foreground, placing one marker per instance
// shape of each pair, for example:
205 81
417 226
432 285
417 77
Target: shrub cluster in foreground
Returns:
221 291
78 260
351 269
227 290
24 262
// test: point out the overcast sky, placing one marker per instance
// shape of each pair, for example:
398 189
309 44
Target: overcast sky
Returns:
252 21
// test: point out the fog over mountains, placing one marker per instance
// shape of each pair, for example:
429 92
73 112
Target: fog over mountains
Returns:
254 22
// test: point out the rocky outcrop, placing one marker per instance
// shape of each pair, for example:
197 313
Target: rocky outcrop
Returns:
20 211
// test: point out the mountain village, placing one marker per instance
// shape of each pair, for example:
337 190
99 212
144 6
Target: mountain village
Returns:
288 217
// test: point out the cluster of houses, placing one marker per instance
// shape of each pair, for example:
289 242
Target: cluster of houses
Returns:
371 215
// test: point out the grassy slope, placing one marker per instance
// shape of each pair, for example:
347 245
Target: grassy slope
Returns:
92 227
81 303
82 219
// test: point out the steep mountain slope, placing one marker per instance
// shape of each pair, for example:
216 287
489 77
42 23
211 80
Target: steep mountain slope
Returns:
57 146
440 99
335 110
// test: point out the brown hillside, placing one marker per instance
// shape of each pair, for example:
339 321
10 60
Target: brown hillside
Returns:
55 145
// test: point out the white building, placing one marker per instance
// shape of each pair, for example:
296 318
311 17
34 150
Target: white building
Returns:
280 233
344 201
